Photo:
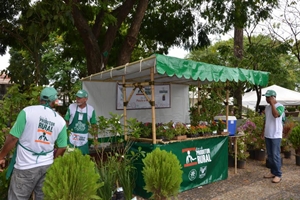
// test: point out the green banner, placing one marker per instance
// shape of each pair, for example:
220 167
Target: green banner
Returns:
203 161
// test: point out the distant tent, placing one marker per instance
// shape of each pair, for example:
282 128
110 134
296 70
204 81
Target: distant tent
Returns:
284 96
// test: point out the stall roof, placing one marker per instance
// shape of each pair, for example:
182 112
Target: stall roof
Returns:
179 71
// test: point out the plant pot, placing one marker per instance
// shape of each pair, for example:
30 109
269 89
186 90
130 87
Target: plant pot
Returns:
230 161
241 164
287 154
251 153
298 160
180 137
260 154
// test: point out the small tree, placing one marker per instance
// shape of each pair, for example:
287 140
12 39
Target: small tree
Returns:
162 174
72 177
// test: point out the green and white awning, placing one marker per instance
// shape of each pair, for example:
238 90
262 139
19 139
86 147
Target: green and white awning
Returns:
179 71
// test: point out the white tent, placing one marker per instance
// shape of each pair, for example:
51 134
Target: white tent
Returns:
284 96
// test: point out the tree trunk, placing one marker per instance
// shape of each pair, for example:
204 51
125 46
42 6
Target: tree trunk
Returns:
131 38
110 35
238 52
92 50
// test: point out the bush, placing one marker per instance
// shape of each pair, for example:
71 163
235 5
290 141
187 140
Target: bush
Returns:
72 177
162 174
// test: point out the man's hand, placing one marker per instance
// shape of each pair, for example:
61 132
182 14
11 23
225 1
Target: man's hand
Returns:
2 164
272 101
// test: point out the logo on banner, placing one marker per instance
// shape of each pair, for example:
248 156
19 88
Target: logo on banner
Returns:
196 156
202 172
192 175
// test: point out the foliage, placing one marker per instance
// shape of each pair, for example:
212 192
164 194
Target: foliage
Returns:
118 168
180 129
211 99
287 129
72 176
4 184
242 153
253 129
193 130
162 174
13 102
294 137
225 15
134 128
146 129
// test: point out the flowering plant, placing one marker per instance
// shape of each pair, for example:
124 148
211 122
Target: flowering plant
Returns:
180 129
253 130
192 130
242 153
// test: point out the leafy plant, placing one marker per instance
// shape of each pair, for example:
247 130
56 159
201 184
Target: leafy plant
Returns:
162 174
294 137
134 127
4 185
242 153
72 177
180 129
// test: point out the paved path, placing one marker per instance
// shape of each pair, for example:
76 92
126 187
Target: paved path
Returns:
249 184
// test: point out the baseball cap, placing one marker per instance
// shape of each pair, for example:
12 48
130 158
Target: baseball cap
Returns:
82 94
270 93
48 94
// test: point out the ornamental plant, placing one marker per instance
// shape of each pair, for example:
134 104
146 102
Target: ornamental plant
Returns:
162 174
242 153
253 130
180 129
72 176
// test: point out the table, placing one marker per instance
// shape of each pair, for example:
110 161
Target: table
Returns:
204 160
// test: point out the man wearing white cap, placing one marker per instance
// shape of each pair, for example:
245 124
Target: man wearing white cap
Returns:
78 118
34 134
273 128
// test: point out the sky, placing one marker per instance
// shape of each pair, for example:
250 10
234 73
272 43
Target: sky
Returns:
4 61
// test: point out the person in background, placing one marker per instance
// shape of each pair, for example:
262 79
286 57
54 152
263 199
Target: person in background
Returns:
34 135
78 117
273 134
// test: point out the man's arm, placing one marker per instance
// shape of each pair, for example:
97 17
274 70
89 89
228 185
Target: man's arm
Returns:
9 144
59 152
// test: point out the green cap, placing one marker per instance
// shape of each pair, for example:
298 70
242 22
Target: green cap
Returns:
82 94
48 94
270 93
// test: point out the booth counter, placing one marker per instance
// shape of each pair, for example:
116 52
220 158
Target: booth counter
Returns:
203 160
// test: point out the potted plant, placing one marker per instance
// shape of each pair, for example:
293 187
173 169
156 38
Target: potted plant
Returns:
162 173
294 138
180 131
192 132
242 153
286 145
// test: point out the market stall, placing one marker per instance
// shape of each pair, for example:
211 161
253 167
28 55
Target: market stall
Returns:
154 90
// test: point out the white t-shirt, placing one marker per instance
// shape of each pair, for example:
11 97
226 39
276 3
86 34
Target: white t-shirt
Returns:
273 126
37 128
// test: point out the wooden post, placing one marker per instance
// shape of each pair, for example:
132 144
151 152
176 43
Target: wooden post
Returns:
153 106
124 108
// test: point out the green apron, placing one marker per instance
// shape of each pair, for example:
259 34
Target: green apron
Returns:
79 132
13 159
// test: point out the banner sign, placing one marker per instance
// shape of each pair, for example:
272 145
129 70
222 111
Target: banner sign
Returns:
139 101
203 161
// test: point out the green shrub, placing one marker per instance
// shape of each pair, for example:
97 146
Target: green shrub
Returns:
72 177
162 174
